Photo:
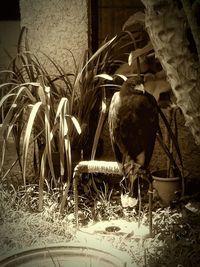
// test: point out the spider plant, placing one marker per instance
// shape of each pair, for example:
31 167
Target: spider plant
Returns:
38 111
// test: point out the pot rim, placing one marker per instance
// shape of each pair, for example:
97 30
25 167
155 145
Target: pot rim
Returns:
157 175
171 179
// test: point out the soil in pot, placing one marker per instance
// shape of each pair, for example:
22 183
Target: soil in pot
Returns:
166 187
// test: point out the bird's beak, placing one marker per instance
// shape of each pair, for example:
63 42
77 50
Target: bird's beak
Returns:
140 87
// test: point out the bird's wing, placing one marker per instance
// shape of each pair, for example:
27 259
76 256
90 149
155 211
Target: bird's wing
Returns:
113 121
138 121
133 123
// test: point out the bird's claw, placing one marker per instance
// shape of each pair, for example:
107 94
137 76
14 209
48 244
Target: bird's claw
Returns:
128 201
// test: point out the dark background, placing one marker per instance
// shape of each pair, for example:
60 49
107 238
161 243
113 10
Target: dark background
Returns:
9 10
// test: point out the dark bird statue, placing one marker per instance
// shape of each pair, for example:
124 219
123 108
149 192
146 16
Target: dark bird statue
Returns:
133 124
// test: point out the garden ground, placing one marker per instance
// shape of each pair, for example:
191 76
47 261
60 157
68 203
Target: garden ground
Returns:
176 240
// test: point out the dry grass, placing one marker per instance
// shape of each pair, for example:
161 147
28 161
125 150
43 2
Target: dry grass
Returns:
21 226
177 231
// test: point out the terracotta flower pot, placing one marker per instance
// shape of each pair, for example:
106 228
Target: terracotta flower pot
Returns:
166 187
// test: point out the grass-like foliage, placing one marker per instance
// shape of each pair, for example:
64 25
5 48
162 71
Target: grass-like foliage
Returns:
56 114
38 110
176 240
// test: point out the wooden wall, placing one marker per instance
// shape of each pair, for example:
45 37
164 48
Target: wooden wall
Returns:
112 14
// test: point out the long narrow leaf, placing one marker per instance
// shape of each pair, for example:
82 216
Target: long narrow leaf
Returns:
3 148
41 179
76 123
19 92
67 143
61 71
169 155
140 52
23 32
68 158
62 147
27 135
7 119
172 136
5 138
104 76
10 112
62 102
48 132
4 98
65 130
100 124
99 51
41 94
61 110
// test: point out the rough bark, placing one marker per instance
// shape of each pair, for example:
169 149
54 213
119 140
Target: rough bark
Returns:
192 20
166 28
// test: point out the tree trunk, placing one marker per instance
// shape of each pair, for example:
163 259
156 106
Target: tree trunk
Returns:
166 28
192 20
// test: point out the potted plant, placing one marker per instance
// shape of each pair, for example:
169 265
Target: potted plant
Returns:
169 182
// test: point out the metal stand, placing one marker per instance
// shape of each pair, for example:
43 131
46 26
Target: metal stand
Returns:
150 208
105 167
